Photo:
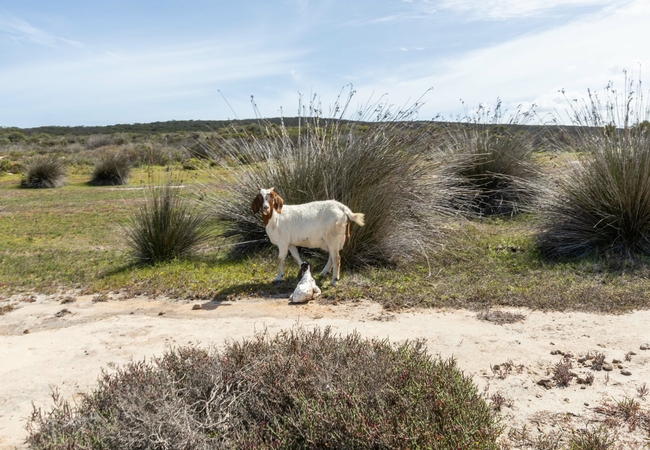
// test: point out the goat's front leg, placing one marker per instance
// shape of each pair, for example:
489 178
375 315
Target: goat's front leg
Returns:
294 252
282 254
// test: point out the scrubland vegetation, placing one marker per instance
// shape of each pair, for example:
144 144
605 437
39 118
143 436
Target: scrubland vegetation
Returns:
477 213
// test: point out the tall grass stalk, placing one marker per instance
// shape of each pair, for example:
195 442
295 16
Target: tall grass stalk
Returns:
492 160
166 226
601 203
376 164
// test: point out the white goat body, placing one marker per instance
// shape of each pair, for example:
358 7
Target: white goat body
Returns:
320 224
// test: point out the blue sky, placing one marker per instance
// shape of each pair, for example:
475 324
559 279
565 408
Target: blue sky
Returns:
106 62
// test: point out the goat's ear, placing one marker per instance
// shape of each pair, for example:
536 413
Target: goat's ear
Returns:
257 204
278 202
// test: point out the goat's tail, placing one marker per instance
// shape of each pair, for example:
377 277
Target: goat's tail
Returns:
358 218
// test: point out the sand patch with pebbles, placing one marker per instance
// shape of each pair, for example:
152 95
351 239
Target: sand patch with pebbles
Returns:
45 343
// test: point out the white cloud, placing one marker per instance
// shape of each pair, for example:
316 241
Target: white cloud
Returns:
506 9
576 56
17 29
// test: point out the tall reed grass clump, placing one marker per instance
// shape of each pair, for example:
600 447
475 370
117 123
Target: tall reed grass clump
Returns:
492 160
166 226
601 203
44 171
376 164
111 169
298 389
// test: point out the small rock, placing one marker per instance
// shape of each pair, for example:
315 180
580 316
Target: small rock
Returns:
161 313
566 400
26 332
583 387
581 380
621 366
197 306
645 346
626 372
616 361
538 395
496 368
548 384
631 353
557 352
608 367
586 404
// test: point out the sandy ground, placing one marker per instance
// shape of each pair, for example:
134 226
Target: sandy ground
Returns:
42 348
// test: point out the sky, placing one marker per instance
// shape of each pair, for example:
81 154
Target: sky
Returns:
100 62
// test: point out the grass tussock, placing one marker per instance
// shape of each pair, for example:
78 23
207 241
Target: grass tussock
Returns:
111 169
376 165
45 171
166 226
492 162
601 203
299 389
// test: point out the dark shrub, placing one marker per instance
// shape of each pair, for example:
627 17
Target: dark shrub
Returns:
166 226
300 389
493 161
111 169
43 172
381 169
601 203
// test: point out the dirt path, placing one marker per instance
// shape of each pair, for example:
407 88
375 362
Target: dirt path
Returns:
42 347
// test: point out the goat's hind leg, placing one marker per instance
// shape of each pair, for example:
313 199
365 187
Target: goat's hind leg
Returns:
328 266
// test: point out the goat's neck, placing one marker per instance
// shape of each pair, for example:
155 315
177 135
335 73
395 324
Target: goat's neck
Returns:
271 219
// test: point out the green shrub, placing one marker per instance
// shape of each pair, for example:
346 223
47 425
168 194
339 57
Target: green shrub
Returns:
111 169
601 203
45 171
383 172
492 161
299 389
167 226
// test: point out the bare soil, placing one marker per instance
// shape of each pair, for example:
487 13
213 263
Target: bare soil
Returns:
45 344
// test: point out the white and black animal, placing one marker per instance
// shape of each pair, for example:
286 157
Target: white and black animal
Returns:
307 288
322 224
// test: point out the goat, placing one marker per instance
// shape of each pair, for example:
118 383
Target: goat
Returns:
319 224
307 287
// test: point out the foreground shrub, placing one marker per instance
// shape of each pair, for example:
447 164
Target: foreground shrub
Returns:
111 169
601 203
378 168
299 389
43 172
167 226
491 160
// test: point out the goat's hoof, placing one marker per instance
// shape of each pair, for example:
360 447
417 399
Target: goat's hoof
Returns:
333 282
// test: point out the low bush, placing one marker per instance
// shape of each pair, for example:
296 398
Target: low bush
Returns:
299 389
111 169
380 168
166 226
601 203
45 171
493 161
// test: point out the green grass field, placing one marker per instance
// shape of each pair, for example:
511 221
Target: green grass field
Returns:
73 238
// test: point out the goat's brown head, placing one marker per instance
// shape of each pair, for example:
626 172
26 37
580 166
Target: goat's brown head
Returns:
267 200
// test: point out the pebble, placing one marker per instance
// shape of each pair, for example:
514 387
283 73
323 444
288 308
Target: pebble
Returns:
626 372
197 306
608 367
161 313
26 332
616 361
548 384
645 346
